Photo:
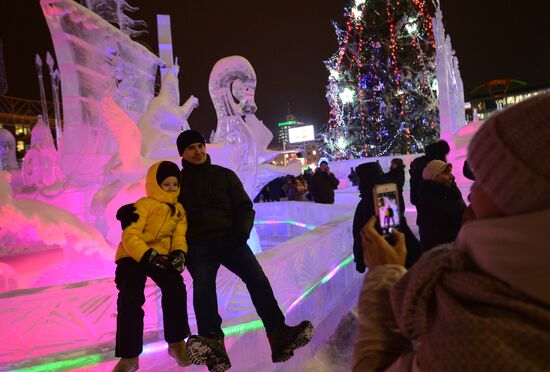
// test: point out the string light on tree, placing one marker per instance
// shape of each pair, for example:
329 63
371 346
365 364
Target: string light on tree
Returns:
346 96
341 143
381 79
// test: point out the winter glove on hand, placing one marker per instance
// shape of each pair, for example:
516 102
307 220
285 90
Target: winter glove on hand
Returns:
153 259
127 215
238 238
177 260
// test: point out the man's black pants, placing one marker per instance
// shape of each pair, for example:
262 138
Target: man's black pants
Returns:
203 262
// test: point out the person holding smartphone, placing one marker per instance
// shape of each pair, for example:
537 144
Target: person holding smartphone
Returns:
323 184
369 175
480 303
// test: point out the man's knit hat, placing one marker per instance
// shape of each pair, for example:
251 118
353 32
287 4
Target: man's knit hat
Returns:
167 169
187 138
434 169
510 156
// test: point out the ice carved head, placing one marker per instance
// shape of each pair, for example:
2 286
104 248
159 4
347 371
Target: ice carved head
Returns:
244 93
232 87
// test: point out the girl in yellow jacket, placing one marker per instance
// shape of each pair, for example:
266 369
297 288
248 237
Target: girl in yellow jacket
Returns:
153 246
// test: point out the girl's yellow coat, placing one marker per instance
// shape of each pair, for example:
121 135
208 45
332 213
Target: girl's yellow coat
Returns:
156 227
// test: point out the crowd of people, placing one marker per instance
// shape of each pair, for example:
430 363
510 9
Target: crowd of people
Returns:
469 295
476 300
315 186
199 219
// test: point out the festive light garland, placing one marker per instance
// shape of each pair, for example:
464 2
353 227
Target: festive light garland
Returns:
386 58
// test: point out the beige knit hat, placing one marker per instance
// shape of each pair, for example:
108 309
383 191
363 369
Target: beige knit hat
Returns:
510 156
434 169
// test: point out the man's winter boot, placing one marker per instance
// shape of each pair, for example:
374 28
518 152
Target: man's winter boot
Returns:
127 365
210 351
285 340
178 351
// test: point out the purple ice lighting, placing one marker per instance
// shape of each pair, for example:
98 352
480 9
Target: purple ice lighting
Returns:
290 222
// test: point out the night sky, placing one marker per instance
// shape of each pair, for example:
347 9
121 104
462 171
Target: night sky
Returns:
287 41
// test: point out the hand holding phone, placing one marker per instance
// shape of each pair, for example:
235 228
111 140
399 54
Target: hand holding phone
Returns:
378 251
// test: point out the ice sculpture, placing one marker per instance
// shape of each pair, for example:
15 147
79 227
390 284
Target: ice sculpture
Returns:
128 164
8 278
451 90
232 88
40 167
8 160
41 225
165 118
125 169
113 11
95 58
107 85
240 141
230 75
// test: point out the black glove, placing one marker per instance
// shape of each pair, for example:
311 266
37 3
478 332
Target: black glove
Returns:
153 259
238 238
127 215
177 260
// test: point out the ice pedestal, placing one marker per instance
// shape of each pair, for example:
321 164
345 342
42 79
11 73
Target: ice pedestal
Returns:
311 275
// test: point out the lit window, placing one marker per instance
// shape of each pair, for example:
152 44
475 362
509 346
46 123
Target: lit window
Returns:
21 129
20 146
18 130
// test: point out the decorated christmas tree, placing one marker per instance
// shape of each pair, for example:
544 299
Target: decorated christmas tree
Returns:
382 81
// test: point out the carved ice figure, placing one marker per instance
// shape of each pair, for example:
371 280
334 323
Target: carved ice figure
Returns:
28 223
240 141
127 163
450 87
138 146
95 58
126 167
165 118
8 160
232 88
232 75
114 11
40 165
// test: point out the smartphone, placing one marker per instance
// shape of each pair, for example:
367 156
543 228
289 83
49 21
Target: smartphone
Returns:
386 207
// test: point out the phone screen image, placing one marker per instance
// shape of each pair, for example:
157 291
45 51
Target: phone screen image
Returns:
388 210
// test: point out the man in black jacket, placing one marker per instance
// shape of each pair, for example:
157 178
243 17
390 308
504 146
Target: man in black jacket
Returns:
323 184
220 216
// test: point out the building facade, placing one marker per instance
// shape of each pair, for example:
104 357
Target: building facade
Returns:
484 105
19 115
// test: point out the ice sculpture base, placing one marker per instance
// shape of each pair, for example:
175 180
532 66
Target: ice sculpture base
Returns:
312 276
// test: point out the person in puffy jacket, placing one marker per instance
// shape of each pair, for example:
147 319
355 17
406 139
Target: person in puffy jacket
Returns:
153 246
323 183
480 303
368 175
221 216
440 206
396 175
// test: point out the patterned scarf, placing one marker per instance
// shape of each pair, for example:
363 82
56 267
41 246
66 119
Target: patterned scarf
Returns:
459 318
